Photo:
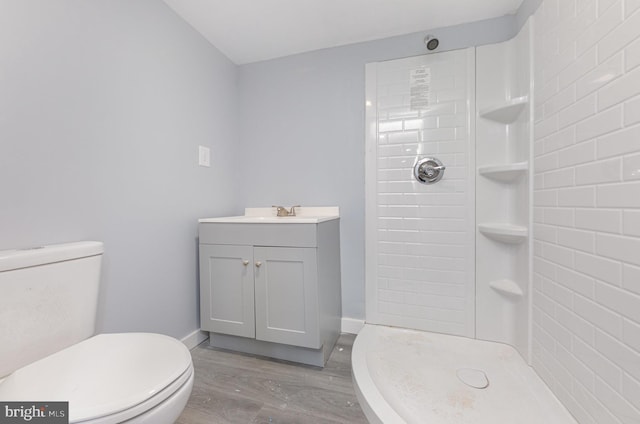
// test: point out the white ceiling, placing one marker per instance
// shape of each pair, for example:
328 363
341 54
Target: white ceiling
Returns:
253 30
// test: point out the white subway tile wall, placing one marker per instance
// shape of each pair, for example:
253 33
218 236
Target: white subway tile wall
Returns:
423 231
586 303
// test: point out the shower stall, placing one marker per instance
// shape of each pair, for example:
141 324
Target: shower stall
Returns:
448 251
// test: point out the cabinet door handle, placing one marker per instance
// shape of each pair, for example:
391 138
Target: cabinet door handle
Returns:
245 262
258 264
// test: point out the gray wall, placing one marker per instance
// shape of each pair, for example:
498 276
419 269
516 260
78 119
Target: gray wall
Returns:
102 106
302 131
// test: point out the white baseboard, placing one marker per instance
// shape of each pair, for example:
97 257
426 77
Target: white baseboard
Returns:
352 325
194 339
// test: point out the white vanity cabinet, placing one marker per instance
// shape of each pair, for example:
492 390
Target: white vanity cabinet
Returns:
271 288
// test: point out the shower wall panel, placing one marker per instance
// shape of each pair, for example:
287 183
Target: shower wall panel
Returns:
586 299
420 238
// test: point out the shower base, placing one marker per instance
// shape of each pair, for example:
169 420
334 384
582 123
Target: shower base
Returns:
408 376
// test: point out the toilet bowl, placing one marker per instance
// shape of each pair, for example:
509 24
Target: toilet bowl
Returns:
48 351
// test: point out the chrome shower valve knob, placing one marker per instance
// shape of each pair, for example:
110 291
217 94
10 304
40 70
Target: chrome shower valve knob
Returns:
428 170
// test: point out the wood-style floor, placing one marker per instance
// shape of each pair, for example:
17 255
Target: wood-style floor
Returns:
239 389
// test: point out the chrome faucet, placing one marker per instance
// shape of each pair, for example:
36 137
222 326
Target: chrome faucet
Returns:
282 211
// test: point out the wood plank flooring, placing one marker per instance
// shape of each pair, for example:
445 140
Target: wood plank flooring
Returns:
236 388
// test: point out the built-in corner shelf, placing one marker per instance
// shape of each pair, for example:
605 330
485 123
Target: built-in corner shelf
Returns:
507 112
505 173
507 287
505 233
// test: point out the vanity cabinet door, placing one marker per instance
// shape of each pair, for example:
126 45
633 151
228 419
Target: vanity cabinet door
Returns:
226 289
286 290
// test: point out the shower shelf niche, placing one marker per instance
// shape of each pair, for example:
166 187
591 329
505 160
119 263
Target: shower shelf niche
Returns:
505 233
505 173
507 287
504 183
507 112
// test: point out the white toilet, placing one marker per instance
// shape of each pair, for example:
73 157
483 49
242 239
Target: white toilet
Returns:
48 302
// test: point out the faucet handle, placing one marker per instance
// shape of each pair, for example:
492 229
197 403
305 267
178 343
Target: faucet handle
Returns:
292 212
280 211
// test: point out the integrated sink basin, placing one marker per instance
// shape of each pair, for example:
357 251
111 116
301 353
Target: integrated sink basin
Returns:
304 215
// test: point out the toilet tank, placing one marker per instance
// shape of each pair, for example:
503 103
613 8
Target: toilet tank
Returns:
48 300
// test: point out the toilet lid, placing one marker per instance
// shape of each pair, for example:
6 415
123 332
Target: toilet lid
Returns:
102 375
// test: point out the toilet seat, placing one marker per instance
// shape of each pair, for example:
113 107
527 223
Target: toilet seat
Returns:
106 378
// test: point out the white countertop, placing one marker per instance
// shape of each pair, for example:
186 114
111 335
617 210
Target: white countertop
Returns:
304 215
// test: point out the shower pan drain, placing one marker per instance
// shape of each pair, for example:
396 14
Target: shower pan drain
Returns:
473 378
